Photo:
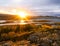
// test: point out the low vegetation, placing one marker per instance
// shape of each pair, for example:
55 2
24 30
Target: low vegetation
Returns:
30 35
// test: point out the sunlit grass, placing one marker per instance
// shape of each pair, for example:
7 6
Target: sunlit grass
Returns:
36 34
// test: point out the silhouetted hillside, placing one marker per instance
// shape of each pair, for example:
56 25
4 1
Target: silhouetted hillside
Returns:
8 17
16 17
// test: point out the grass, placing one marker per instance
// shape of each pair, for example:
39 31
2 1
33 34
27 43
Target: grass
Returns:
44 35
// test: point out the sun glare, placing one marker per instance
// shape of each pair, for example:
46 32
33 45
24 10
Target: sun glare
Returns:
22 22
22 14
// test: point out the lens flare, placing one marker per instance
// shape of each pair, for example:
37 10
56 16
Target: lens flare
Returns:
22 22
22 14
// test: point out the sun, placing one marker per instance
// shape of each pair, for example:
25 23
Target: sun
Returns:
22 14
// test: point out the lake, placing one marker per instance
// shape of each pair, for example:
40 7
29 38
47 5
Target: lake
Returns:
34 21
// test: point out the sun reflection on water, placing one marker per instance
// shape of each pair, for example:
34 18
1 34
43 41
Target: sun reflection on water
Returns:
22 22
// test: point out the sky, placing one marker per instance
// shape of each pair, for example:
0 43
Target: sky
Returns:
36 6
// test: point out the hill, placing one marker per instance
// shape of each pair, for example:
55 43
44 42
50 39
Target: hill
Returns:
16 17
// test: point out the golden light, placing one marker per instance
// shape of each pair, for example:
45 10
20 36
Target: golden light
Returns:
22 22
22 14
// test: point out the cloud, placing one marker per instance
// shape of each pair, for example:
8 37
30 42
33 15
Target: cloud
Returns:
33 5
46 9
56 2
16 1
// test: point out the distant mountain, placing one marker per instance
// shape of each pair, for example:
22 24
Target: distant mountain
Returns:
15 17
57 15
50 14
8 17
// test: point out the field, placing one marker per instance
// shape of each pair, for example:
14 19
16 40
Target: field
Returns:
30 35
40 31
